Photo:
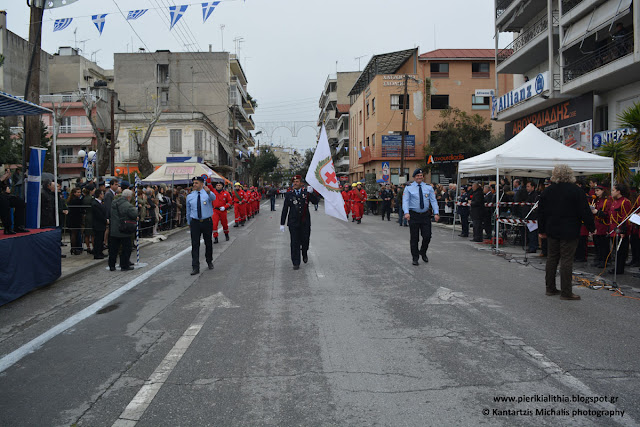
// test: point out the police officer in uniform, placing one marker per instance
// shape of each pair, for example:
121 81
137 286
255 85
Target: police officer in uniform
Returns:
418 200
296 208
199 213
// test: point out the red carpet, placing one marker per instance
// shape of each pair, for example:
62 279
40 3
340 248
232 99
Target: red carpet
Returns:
34 231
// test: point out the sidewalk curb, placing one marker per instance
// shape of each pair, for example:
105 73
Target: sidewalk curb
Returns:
106 259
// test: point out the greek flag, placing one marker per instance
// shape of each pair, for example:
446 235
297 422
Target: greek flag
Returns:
176 13
34 180
98 20
207 9
135 14
85 162
61 24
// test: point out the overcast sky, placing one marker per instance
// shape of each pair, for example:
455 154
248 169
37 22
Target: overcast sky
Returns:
289 47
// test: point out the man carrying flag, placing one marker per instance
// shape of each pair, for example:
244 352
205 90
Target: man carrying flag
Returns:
296 208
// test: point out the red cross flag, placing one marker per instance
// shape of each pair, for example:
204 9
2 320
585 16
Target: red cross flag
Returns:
322 177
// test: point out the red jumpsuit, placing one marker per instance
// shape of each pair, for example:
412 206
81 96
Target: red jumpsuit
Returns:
239 205
358 198
346 196
223 200
256 201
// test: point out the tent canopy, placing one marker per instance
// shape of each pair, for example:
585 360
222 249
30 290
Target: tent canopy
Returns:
13 106
531 153
181 173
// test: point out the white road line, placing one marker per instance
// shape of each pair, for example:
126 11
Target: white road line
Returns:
13 357
141 401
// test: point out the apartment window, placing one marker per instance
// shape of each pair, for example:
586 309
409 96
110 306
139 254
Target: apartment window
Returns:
398 102
367 110
480 70
439 102
164 97
367 141
198 143
65 125
135 137
602 118
373 106
373 140
163 73
360 117
439 69
175 140
480 102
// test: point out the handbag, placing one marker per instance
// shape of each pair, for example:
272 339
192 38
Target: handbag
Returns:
127 226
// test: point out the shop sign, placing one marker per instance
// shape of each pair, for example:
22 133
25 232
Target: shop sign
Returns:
391 145
602 138
485 92
529 90
445 158
395 79
385 171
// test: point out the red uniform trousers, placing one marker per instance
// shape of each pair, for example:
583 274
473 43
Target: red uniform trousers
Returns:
347 208
238 209
358 210
222 218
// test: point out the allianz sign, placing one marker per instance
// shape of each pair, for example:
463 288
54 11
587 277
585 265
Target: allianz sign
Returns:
520 94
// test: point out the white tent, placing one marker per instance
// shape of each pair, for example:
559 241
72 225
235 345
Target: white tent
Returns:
531 153
181 173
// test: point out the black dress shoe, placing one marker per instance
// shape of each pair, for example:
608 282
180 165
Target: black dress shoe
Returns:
235 225
552 293
210 265
99 256
21 230
226 237
296 267
112 269
415 262
63 244
195 271
7 232
305 258
128 268
63 256
215 240
359 221
425 258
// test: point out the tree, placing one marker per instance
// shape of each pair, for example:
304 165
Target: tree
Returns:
90 104
303 167
622 156
144 164
10 148
630 118
459 132
263 165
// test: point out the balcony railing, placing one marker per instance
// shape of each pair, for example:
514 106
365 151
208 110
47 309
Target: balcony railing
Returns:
502 6
527 35
621 46
69 159
567 5
72 129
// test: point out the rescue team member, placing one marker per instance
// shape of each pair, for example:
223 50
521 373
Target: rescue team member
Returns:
352 201
359 196
346 196
220 207
295 212
199 213
618 212
418 201
238 204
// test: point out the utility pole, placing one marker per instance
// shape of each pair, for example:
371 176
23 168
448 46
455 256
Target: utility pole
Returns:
233 143
32 87
404 124
112 146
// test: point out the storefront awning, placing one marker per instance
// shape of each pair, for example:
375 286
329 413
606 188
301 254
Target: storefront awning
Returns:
13 106
600 17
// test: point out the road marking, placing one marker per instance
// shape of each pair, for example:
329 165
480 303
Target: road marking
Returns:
141 401
12 358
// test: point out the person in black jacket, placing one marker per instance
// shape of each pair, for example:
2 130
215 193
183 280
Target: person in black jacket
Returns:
477 211
386 195
489 198
48 205
296 209
463 211
562 210
99 223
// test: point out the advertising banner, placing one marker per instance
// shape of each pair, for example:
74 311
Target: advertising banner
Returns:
391 145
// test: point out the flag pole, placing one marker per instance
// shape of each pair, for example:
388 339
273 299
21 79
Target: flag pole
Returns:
137 223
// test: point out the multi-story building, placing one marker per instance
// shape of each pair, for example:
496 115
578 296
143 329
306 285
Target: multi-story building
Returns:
461 78
334 115
436 80
578 63
68 71
206 110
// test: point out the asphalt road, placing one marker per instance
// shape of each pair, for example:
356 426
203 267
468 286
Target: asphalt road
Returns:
358 336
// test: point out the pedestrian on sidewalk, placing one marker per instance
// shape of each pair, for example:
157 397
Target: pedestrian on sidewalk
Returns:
99 223
295 213
199 213
418 202
562 209
119 235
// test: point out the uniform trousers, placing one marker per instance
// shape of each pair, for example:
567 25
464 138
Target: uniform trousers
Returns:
220 217
386 210
204 229
601 242
98 241
419 223
623 252
238 210
114 247
347 208
299 242
464 221
358 210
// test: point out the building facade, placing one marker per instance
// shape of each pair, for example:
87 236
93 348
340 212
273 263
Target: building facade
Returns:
206 110
578 63
68 71
334 115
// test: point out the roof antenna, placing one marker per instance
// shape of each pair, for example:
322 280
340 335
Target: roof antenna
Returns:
434 37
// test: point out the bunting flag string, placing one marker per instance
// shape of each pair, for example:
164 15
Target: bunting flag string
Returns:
61 24
99 20
135 14
207 9
176 13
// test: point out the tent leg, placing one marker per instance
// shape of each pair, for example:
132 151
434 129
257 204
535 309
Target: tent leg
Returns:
455 208
498 199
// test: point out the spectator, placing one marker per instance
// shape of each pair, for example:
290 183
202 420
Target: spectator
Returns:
48 205
386 195
74 220
121 210
489 198
401 219
99 223
87 201
477 211
463 211
562 209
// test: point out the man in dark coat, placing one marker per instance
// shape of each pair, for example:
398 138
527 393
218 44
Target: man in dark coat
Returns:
463 211
489 198
562 210
121 209
477 211
48 205
296 209
99 223
386 195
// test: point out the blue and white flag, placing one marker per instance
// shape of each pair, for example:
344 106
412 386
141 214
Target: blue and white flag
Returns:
135 14
61 24
98 20
207 9
85 162
36 163
176 13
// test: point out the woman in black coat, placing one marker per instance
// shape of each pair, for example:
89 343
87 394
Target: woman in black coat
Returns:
74 220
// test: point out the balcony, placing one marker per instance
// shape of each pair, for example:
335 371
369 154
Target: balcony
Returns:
68 129
66 160
612 65
567 5
514 15
342 162
529 49
204 154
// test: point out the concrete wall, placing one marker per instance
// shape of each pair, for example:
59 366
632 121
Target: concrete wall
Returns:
346 80
67 73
